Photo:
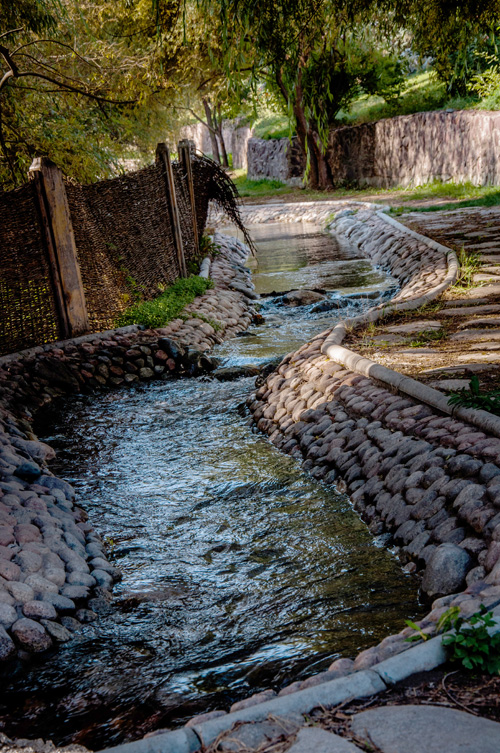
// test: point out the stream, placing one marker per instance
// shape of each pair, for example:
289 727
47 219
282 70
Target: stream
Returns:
240 572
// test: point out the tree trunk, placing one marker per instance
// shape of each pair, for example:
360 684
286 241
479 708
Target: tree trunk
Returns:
319 176
211 130
225 161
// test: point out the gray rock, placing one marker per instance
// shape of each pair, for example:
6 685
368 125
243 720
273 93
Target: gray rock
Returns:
7 647
317 740
229 373
426 729
302 297
85 615
56 631
40 585
75 593
31 636
8 615
20 591
71 624
28 471
80 579
38 610
446 570
102 578
62 604
29 562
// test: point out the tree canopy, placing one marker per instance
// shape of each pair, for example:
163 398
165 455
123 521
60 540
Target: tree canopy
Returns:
89 82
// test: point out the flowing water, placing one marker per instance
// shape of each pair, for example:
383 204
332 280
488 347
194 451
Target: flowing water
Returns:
240 572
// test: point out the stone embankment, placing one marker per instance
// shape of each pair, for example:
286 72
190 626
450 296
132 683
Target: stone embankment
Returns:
54 572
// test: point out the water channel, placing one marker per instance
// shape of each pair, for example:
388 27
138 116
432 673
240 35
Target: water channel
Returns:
240 572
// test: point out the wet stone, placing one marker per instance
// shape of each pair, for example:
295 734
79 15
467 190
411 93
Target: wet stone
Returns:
56 631
7 647
8 615
30 635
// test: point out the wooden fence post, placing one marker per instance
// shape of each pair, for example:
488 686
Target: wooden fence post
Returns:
163 159
61 247
184 151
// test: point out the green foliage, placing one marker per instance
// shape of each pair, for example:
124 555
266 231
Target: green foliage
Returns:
427 336
167 306
457 35
474 397
469 264
272 127
260 187
469 643
419 634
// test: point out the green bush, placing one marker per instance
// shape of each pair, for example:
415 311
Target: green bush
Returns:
470 643
168 305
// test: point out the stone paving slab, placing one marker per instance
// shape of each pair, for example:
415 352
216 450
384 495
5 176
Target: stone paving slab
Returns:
491 308
317 740
466 302
426 729
467 335
416 326
484 290
492 321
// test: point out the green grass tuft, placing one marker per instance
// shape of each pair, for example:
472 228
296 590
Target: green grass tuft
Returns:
260 187
168 305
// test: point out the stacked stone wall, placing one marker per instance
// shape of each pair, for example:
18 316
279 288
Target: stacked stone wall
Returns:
456 146
276 159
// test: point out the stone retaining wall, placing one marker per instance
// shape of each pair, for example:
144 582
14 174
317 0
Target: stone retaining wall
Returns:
54 573
457 146
235 134
276 159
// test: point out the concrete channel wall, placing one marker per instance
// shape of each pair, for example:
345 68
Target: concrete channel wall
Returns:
54 572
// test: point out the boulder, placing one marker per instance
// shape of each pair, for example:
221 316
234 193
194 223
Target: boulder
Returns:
302 298
230 373
30 635
446 571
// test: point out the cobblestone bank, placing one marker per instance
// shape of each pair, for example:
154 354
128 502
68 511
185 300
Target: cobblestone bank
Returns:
54 574
428 483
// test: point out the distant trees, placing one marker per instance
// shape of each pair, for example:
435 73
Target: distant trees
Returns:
462 36
316 54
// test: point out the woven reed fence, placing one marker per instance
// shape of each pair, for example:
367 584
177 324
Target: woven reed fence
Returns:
117 236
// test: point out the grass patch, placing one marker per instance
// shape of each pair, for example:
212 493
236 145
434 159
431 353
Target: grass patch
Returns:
423 92
475 397
469 265
168 305
472 196
260 187
428 336
275 126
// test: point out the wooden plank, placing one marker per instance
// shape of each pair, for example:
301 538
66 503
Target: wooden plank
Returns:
184 151
58 228
57 291
163 159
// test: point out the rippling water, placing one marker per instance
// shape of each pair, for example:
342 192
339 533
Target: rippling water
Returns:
239 571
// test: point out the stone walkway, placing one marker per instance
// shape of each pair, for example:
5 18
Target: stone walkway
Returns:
460 335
